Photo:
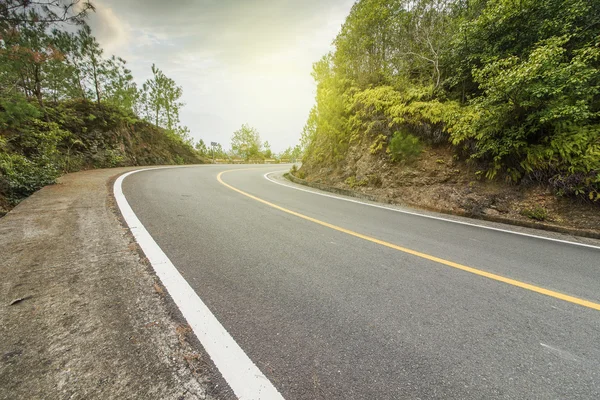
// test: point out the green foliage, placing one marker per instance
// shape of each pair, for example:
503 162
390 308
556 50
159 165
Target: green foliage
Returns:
29 153
540 111
116 158
120 89
201 148
352 182
378 144
48 126
246 143
24 176
76 135
520 103
325 131
160 103
538 213
404 147
267 152
218 152
16 111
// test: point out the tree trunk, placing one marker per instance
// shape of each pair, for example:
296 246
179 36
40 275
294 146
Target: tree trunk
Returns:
168 118
37 88
80 84
96 83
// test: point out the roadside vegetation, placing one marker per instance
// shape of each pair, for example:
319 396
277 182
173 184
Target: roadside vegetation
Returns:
509 90
66 106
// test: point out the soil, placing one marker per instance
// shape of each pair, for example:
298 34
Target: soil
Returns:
5 206
83 315
438 181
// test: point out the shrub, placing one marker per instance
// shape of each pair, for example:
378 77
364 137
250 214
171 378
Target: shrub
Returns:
24 176
377 144
584 186
352 182
538 213
404 147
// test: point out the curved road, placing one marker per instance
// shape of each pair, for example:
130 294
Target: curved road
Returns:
338 300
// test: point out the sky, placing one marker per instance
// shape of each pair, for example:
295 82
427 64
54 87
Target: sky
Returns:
238 61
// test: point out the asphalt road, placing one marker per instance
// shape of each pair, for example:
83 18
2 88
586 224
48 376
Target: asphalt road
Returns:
328 315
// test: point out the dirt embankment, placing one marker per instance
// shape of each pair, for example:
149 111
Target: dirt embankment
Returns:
84 136
82 315
438 181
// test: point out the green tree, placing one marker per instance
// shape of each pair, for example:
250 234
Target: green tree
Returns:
201 148
51 65
218 151
153 97
93 66
246 142
520 103
268 153
296 153
28 55
286 154
73 63
161 98
120 88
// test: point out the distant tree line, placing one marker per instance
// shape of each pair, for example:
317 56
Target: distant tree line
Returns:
246 145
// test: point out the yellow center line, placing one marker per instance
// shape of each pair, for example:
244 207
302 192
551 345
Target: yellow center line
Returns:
499 278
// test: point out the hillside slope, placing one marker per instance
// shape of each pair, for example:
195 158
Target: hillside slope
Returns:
36 147
446 105
437 180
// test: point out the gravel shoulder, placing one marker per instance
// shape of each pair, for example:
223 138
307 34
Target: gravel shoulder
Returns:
82 315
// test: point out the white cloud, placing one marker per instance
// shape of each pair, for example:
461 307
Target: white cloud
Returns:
238 61
112 32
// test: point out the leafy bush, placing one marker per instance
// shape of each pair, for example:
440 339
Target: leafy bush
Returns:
114 158
404 147
15 110
586 186
538 111
538 213
377 144
352 182
24 176
29 154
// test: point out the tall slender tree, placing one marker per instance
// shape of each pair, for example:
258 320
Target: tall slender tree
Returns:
163 95
94 65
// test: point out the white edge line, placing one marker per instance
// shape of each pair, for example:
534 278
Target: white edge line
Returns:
242 375
266 176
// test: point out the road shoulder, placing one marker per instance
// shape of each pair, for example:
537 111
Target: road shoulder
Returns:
83 315
476 218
